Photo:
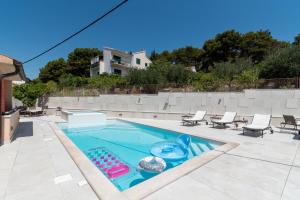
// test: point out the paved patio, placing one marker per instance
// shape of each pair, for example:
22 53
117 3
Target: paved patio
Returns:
259 168
31 163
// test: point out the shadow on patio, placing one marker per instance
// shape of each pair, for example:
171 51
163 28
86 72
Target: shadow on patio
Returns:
25 129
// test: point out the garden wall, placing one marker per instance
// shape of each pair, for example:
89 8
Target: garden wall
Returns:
173 105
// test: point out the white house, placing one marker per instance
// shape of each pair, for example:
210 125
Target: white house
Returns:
118 62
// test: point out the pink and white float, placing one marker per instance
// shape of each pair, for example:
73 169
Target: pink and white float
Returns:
108 163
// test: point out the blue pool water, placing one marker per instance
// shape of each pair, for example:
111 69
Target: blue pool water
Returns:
130 142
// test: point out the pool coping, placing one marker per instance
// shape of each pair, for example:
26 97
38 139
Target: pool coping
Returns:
106 190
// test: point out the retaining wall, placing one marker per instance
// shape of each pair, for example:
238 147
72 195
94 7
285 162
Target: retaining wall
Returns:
172 105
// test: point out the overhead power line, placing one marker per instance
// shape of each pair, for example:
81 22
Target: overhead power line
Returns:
76 33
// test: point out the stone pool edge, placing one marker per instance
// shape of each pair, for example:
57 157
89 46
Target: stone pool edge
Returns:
105 190
150 186
102 187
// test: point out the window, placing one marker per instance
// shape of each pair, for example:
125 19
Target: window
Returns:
116 59
138 61
146 64
117 71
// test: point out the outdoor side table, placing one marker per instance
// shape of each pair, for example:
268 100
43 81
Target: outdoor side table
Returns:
215 117
236 122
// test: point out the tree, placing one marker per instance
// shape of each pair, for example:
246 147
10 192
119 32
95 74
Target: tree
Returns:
105 81
164 56
79 61
137 77
178 74
159 72
69 80
53 70
283 63
204 81
248 77
154 56
188 56
225 46
297 40
228 71
29 92
256 45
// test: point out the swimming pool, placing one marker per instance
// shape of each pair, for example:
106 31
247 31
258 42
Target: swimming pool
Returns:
130 142
79 118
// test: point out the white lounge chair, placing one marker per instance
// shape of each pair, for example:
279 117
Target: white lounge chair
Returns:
228 118
259 123
198 117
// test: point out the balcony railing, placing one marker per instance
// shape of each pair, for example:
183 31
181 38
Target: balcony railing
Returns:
120 63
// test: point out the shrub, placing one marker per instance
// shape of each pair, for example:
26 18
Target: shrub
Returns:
284 63
106 81
137 77
29 92
69 80
228 71
159 73
178 74
248 78
205 81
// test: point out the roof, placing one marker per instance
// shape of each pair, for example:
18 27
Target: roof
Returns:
11 69
119 52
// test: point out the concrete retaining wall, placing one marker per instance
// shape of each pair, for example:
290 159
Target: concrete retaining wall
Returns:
173 105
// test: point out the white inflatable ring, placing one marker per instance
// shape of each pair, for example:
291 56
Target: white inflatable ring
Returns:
152 164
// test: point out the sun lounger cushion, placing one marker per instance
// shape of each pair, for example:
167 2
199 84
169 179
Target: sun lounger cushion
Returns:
228 117
259 122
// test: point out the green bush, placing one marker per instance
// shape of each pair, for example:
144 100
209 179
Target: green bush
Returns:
284 63
205 81
159 73
29 92
229 71
69 80
137 77
248 78
178 74
51 86
106 81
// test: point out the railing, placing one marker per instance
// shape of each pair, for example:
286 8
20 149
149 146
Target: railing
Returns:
120 63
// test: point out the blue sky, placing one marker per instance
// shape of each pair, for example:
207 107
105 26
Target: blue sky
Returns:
28 27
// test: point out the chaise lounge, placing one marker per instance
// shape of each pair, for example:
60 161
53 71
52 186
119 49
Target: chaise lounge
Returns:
290 120
198 117
228 118
259 123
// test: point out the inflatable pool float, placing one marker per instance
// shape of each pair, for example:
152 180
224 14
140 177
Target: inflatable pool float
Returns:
117 171
108 163
172 150
152 164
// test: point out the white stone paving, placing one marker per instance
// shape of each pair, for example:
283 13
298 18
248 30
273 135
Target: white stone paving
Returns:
30 164
259 168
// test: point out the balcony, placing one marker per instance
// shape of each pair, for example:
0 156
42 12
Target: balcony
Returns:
118 63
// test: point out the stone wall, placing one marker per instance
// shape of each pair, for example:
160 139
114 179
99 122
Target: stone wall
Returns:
173 105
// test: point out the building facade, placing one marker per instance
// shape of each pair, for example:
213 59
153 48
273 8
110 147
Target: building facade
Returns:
10 70
118 62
